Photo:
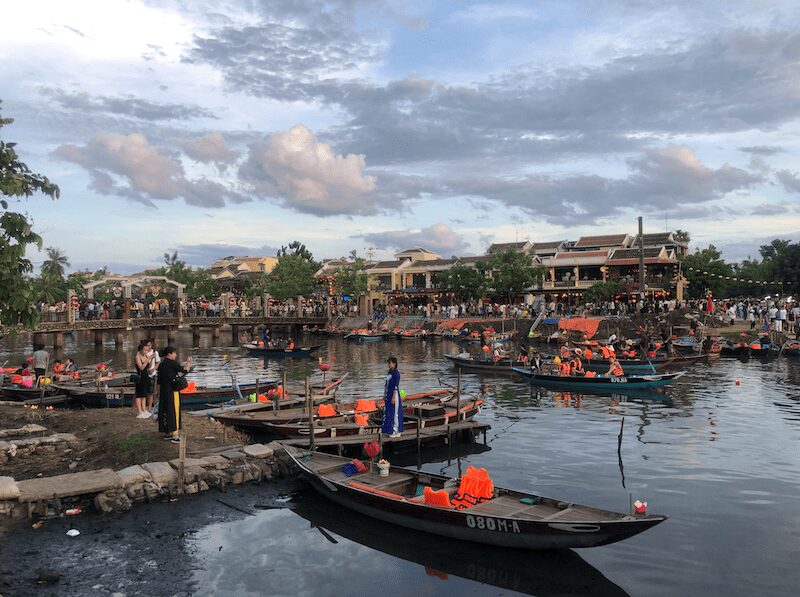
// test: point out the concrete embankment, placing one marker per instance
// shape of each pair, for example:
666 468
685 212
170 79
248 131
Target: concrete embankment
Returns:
116 491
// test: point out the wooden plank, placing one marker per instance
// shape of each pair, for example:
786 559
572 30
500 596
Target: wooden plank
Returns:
407 436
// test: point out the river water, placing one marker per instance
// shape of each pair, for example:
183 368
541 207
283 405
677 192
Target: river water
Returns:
721 460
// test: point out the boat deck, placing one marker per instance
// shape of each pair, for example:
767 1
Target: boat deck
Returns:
425 434
505 505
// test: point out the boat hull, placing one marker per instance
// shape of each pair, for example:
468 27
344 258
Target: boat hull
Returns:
472 525
502 367
600 384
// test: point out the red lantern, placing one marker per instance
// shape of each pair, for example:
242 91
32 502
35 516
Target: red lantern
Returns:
324 367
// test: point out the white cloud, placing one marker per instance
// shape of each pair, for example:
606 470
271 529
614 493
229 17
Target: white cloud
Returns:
308 175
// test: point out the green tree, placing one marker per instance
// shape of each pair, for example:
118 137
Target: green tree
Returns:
17 293
55 264
291 277
465 282
603 291
297 248
781 263
198 281
351 280
512 273
703 269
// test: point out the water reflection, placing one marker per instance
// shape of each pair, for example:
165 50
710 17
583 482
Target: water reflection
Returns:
533 573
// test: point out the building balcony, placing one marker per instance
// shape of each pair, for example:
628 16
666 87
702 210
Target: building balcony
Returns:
571 284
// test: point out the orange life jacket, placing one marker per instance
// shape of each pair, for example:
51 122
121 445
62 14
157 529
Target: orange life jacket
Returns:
361 420
564 369
576 366
617 370
326 410
605 352
436 498
365 406
588 354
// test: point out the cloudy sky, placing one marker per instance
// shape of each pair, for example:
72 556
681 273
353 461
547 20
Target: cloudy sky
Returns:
233 127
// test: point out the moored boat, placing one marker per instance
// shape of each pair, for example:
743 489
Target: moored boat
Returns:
502 517
425 416
271 351
123 395
252 419
501 367
791 348
600 383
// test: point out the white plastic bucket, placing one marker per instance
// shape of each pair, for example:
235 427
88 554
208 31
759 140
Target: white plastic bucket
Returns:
383 469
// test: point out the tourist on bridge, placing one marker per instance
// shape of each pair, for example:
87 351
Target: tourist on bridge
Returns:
170 373
393 407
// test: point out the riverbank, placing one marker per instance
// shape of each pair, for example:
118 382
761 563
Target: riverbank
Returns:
103 438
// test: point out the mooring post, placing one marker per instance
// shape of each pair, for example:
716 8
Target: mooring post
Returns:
310 414
619 436
181 460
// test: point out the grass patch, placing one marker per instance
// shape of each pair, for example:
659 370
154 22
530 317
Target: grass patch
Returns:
135 448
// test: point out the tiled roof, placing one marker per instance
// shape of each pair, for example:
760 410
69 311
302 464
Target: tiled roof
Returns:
385 264
550 245
607 240
506 246
634 253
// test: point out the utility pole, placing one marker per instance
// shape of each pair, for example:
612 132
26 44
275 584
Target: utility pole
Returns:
641 264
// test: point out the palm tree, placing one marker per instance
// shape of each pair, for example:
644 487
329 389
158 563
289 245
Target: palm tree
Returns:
55 263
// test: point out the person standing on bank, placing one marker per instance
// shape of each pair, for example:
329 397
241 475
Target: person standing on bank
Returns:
393 407
170 374
41 358
143 383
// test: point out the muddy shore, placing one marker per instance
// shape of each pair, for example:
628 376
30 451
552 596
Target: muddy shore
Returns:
146 551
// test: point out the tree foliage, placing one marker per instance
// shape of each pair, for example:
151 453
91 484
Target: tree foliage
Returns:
465 282
199 282
351 280
291 277
603 291
297 248
17 293
511 273
703 269
55 264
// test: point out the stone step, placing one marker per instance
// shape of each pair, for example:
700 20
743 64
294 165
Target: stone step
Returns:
29 429
88 482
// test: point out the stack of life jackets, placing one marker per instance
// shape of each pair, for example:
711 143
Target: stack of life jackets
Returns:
475 487
326 410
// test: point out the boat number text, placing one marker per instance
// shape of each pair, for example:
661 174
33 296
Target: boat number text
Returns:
492 524
618 380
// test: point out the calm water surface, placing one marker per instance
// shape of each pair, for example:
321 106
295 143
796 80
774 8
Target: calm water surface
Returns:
721 460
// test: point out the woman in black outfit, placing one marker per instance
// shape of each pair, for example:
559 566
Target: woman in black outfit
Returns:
169 398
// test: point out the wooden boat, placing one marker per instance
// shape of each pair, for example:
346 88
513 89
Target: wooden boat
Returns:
254 350
425 416
660 361
417 334
508 519
738 349
248 405
791 348
546 573
600 383
18 393
364 336
493 338
764 350
250 419
94 397
501 367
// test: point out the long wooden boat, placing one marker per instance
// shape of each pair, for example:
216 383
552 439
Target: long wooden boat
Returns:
18 393
740 349
546 573
250 419
508 519
791 348
493 339
366 336
254 350
123 396
660 361
329 388
607 384
438 415
501 367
